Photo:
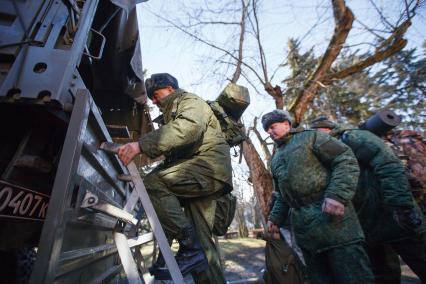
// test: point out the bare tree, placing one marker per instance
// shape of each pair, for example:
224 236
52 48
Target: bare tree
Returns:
321 76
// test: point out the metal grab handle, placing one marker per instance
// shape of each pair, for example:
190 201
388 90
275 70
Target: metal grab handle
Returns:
110 147
101 49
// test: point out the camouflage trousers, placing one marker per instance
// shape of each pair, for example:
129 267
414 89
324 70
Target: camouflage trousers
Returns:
385 260
344 264
183 202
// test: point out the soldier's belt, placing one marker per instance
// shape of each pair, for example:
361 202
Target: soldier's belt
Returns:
306 200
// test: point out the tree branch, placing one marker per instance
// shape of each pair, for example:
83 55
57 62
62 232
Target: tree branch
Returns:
259 43
207 43
344 19
397 45
262 142
239 60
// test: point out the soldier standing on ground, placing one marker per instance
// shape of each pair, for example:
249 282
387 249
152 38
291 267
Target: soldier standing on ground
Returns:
197 170
409 146
316 176
391 220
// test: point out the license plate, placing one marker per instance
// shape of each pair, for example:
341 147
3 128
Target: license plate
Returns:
17 202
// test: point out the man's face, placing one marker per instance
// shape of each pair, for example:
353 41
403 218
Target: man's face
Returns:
160 94
278 130
325 130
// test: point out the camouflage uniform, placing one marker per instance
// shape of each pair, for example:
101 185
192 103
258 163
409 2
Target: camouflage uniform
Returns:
410 148
307 167
382 190
197 170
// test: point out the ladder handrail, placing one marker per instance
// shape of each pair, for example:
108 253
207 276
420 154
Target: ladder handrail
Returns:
151 215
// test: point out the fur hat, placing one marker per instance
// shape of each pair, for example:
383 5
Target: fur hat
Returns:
159 81
277 115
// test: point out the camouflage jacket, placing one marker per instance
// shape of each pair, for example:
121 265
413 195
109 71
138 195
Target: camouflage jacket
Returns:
382 187
410 148
191 140
307 164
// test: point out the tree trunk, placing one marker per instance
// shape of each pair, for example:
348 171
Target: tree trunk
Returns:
261 177
242 226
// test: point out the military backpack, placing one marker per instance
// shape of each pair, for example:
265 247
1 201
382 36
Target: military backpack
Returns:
282 265
224 214
228 109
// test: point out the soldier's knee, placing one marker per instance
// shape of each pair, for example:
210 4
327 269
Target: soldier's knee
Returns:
155 185
152 181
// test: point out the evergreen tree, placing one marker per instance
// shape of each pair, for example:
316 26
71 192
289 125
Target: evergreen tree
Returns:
398 83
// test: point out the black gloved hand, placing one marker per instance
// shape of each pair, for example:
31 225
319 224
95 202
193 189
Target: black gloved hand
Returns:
407 218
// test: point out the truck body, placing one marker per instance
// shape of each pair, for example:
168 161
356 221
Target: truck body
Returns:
70 78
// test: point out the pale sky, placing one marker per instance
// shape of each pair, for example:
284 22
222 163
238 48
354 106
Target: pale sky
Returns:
166 49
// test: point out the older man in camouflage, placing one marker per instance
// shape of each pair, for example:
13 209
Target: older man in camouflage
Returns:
392 222
196 171
316 176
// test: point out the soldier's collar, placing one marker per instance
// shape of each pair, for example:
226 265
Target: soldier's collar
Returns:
287 137
297 130
169 99
340 129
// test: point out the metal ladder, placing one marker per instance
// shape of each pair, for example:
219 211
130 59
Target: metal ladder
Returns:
76 243
140 193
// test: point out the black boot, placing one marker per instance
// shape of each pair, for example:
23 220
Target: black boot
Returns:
190 257
158 266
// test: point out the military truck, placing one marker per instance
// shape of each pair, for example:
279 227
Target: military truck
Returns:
71 78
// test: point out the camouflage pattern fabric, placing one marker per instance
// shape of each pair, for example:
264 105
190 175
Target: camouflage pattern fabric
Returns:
343 264
382 186
191 139
382 189
201 212
311 163
300 172
197 170
410 148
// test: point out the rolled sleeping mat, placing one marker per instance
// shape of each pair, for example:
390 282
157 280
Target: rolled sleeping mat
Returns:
381 122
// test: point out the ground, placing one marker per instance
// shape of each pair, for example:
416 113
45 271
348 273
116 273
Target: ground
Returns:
245 259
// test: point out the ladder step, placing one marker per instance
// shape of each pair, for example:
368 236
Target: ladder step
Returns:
126 178
110 273
140 193
105 249
140 240
92 201
79 258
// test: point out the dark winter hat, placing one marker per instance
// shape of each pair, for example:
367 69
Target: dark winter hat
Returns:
159 81
277 115
322 122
